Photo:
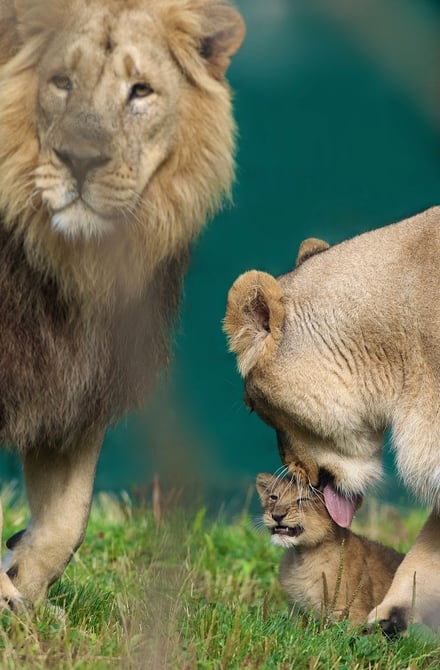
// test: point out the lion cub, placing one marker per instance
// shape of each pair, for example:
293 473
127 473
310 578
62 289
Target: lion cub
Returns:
327 570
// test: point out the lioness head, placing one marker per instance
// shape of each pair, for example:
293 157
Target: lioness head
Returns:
109 95
294 347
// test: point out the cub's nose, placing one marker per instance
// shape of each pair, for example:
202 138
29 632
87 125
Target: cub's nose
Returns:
80 166
278 518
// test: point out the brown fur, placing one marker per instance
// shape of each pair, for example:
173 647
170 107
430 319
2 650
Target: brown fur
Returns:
327 570
102 191
337 350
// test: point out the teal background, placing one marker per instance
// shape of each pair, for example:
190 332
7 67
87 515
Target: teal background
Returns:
337 105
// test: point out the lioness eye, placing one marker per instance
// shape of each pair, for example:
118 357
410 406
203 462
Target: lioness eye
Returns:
62 81
140 90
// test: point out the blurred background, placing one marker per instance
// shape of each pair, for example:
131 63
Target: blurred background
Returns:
338 109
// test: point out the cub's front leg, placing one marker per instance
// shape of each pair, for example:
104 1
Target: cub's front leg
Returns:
59 487
414 595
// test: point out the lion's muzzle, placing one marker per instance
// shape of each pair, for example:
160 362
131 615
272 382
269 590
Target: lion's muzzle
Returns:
80 165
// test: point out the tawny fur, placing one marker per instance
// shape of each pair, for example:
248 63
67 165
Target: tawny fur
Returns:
355 349
326 570
310 247
116 145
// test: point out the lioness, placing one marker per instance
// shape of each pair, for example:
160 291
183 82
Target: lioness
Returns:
116 144
327 570
337 350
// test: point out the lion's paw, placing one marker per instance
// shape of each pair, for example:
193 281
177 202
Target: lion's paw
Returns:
10 596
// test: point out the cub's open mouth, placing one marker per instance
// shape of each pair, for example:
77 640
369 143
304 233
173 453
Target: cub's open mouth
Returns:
293 531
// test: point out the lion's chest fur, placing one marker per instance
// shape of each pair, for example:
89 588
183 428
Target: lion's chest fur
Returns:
64 370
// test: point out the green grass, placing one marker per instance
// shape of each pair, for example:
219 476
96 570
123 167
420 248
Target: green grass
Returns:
187 593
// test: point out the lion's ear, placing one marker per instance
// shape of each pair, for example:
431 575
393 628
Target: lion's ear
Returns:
203 35
254 318
8 31
35 17
223 34
310 247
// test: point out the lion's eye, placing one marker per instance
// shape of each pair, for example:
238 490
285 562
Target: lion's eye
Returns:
273 497
62 81
140 90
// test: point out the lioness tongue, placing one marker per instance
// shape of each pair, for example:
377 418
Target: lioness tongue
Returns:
340 509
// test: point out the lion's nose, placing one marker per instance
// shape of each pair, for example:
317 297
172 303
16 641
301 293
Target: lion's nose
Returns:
80 166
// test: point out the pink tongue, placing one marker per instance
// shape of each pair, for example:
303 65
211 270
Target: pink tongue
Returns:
340 509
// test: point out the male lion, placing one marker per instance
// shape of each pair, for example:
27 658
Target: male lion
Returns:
332 353
116 143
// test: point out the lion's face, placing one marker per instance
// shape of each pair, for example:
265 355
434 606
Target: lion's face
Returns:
107 115
111 96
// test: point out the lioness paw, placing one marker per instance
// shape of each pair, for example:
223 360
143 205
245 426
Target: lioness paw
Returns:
392 620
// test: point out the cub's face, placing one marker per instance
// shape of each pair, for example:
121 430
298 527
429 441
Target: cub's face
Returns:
108 104
295 514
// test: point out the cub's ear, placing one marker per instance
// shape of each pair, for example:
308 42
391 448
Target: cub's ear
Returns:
254 318
310 247
203 35
263 483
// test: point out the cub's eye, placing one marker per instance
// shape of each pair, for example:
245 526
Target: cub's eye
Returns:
273 497
62 82
140 90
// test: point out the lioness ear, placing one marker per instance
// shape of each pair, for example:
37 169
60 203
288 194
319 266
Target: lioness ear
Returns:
310 247
203 34
263 482
254 318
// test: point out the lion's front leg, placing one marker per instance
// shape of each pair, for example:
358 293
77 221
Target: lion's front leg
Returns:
414 595
59 487
10 597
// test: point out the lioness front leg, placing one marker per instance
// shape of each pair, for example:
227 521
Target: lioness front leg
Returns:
59 487
414 595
